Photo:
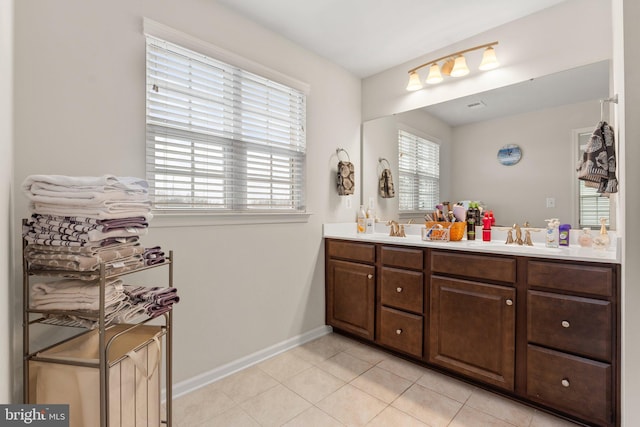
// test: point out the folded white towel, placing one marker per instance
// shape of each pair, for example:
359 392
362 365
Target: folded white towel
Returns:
111 304
81 183
104 212
75 295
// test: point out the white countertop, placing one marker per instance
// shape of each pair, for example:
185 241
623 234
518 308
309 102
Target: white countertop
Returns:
497 245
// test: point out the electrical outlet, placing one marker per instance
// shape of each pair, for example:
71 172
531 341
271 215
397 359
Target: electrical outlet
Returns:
371 202
551 202
347 202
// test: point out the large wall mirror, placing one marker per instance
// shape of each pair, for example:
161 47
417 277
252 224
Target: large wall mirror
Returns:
546 118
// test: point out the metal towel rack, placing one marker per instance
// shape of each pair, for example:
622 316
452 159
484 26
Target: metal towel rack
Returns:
613 99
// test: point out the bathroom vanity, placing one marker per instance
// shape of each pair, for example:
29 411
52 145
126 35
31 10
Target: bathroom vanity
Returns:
537 324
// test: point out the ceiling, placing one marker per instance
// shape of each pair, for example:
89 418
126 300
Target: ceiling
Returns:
369 36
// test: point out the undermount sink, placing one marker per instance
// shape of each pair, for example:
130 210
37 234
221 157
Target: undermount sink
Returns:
513 247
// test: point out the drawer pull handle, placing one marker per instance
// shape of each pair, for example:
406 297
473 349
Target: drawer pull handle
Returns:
369 276
565 382
398 289
398 331
509 302
565 324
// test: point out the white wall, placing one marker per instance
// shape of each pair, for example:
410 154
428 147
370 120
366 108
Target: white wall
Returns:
80 110
6 169
626 66
573 33
547 169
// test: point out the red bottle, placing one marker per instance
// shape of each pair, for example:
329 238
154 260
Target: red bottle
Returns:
486 228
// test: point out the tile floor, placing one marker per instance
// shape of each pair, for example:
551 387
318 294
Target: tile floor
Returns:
335 381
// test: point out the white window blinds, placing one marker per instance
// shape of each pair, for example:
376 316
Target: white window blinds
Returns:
419 172
220 138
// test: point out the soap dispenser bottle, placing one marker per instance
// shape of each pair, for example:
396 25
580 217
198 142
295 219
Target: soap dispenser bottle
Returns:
362 217
552 234
370 221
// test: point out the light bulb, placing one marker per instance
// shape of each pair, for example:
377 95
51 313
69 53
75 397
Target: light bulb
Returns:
489 60
434 75
414 81
460 67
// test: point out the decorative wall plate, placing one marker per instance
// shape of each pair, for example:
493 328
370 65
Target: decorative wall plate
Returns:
509 154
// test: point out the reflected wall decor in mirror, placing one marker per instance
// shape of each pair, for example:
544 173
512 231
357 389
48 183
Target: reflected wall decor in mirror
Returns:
543 116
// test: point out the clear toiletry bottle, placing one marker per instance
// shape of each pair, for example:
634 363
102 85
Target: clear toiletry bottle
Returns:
585 239
362 218
370 221
552 234
602 240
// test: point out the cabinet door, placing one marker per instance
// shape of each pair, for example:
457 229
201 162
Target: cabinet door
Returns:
472 330
351 297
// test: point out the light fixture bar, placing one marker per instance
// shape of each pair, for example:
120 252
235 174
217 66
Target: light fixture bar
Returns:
453 55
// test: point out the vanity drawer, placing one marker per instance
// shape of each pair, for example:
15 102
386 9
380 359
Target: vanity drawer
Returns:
394 256
570 383
401 289
401 331
571 277
363 252
572 324
474 266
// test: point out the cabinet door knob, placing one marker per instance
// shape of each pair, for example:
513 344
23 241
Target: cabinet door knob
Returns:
565 382
398 289
398 331
369 276
509 302
565 324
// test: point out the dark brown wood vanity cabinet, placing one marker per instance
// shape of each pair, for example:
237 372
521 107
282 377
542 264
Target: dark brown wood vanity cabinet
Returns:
572 351
543 331
400 301
350 287
473 316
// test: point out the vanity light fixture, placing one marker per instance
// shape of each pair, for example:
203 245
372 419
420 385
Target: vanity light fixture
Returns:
454 65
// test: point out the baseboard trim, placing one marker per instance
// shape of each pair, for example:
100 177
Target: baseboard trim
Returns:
187 386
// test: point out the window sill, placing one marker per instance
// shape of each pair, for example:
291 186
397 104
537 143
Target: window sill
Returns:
411 214
187 219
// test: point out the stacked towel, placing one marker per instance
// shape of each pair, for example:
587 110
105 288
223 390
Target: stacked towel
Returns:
77 225
155 300
81 259
105 215
153 256
77 295
105 197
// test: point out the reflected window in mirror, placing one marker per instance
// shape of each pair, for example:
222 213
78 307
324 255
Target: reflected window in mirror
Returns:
419 173
591 205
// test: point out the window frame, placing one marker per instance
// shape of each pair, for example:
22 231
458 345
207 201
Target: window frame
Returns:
431 140
247 216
